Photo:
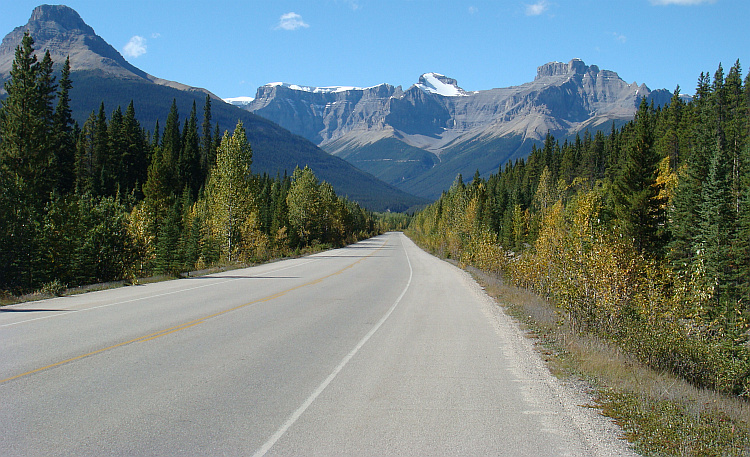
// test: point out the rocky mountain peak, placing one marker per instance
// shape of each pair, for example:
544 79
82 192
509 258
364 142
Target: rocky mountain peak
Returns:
63 32
59 17
574 67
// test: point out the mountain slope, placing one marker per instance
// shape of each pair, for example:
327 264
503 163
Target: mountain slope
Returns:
101 75
419 139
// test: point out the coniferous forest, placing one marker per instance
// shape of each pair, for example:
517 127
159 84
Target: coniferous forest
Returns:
110 200
641 235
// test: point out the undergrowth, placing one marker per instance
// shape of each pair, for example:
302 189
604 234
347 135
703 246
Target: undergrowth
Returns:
660 414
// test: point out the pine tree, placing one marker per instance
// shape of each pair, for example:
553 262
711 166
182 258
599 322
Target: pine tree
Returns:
105 176
167 252
715 229
169 151
27 163
188 164
25 122
85 166
135 155
117 150
64 146
636 203
208 153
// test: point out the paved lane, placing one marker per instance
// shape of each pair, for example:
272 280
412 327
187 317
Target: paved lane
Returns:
374 349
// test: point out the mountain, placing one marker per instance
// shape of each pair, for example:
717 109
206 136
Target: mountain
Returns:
419 139
101 75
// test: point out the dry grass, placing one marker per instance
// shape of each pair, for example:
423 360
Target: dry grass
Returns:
660 413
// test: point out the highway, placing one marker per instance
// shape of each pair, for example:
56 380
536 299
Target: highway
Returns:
374 349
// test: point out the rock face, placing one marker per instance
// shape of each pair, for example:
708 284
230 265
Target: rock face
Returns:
460 131
62 31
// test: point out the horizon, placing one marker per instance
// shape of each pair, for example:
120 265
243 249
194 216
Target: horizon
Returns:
362 43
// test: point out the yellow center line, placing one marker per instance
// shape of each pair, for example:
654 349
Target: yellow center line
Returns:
193 323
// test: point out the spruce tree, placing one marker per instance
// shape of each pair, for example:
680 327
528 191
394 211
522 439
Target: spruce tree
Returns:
64 146
105 176
188 165
636 203
25 122
208 153
85 165
135 154
27 162
117 151
167 244
716 226
171 145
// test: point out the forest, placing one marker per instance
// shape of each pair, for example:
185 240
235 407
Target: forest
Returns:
640 236
110 200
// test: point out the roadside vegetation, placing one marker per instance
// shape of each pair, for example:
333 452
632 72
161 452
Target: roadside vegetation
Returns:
110 201
640 239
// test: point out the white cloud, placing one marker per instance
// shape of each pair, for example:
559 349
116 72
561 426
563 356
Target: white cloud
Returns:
353 4
291 21
135 48
680 2
473 10
537 8
156 35
620 37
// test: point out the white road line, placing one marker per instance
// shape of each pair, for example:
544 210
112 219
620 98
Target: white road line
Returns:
301 410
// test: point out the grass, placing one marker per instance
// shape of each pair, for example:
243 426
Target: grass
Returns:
660 414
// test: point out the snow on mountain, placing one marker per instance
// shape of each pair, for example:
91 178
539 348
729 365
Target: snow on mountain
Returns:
317 90
239 101
418 139
436 83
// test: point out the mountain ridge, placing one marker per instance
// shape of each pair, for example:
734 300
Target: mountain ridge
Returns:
438 117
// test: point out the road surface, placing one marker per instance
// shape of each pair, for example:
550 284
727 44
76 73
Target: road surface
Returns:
374 349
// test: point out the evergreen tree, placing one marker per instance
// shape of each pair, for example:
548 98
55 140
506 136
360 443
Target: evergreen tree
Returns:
188 165
117 150
27 163
105 169
134 156
64 144
167 244
637 206
85 163
25 123
169 152
715 229
208 153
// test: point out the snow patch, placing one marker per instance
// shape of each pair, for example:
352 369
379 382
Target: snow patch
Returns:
239 101
434 85
318 90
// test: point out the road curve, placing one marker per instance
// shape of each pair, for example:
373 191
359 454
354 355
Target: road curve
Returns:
374 349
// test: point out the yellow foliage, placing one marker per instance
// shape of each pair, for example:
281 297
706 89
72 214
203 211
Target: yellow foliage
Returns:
255 244
143 239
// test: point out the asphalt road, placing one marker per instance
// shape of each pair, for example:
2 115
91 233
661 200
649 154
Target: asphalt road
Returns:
374 349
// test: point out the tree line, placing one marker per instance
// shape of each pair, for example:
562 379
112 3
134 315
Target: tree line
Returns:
110 200
641 235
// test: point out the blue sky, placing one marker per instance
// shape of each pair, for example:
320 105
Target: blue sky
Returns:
232 47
